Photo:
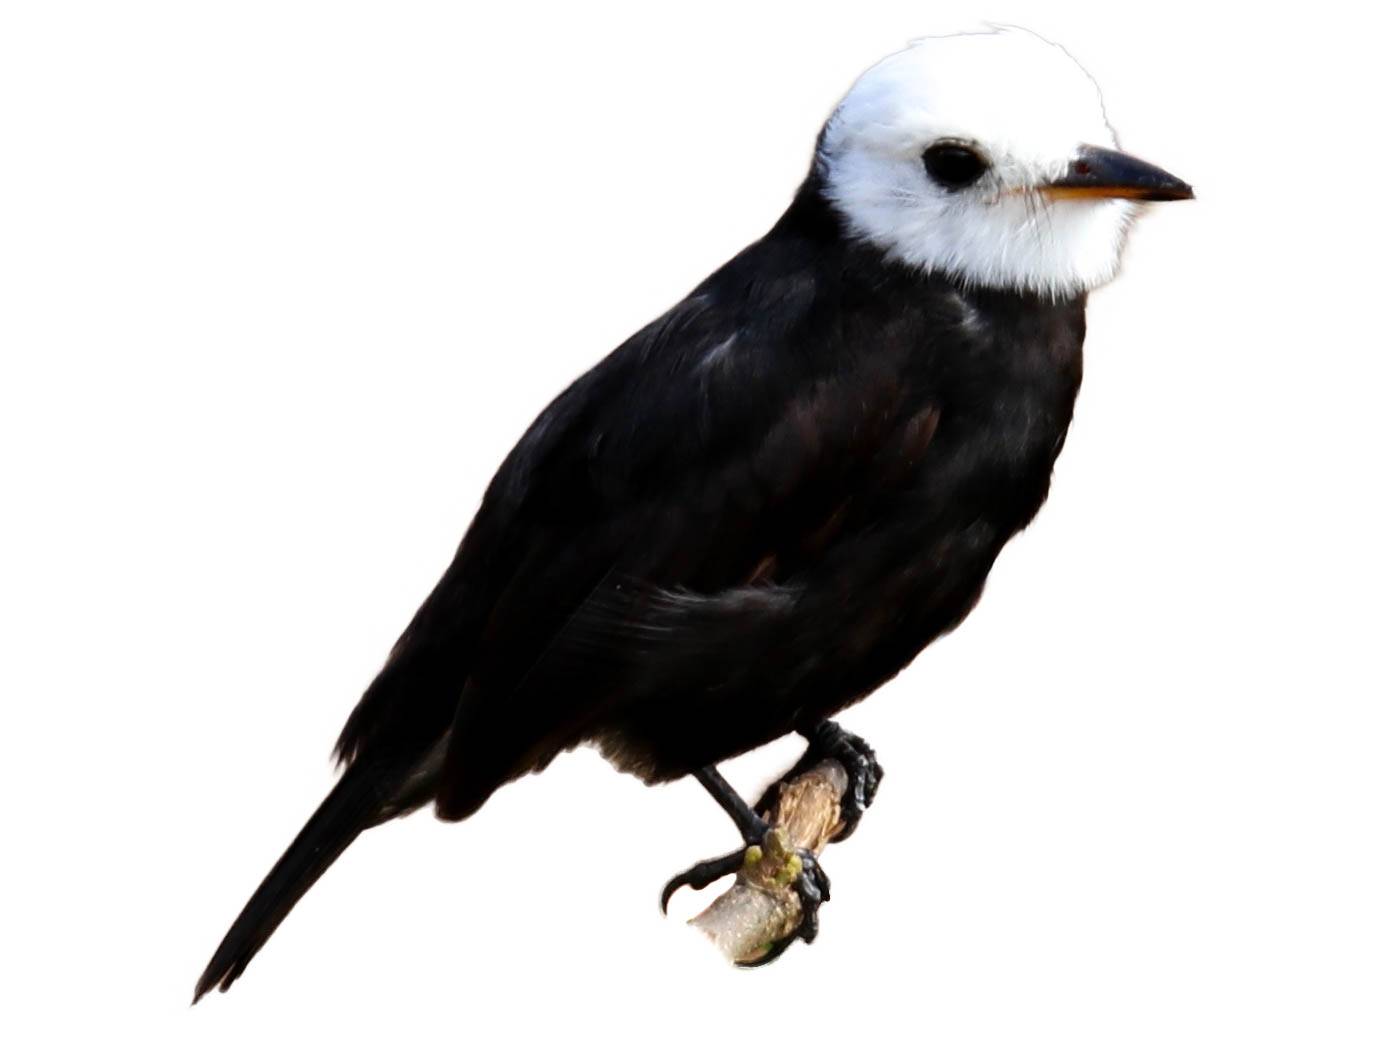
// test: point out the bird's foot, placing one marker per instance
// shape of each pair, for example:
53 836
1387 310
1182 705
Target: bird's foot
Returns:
776 866
699 876
810 883
827 740
863 770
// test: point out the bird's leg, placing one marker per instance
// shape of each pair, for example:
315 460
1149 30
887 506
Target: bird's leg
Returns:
749 823
827 740
811 883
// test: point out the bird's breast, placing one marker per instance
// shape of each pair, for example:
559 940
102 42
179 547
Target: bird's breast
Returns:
985 412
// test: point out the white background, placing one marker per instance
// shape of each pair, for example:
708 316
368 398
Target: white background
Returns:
282 282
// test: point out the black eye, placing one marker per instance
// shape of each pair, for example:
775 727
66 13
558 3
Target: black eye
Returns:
952 165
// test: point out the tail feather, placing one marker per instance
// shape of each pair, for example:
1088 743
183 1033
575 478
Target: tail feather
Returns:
354 805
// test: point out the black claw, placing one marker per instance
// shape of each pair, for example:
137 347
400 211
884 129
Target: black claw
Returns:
771 955
864 773
812 886
699 876
813 890
819 886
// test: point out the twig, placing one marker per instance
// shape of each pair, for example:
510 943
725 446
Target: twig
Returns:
762 907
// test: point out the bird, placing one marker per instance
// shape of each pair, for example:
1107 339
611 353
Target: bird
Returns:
764 504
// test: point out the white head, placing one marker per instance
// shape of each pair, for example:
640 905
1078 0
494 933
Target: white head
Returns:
987 156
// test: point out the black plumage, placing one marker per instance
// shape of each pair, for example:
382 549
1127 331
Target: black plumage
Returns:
750 515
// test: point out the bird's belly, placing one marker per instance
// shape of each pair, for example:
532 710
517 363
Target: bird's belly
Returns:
865 635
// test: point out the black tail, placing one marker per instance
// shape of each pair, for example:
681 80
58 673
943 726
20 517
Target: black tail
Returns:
354 805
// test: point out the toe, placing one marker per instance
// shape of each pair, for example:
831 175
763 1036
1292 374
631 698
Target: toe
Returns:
699 876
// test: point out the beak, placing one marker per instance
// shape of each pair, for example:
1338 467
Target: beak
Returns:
1096 173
